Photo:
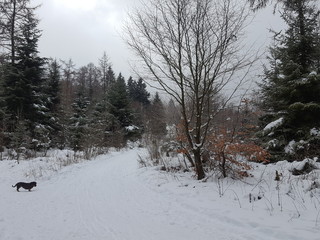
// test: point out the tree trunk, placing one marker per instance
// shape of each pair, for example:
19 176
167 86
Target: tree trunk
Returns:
190 159
223 165
198 163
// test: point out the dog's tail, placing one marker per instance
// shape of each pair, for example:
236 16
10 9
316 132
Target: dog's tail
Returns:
14 185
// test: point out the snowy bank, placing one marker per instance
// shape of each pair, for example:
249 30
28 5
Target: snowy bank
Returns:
110 197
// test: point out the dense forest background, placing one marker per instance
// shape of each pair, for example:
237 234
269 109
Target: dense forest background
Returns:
49 103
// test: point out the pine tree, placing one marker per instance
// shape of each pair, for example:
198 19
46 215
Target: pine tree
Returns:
138 91
118 100
103 126
52 93
110 78
20 138
78 126
139 102
290 91
53 83
23 85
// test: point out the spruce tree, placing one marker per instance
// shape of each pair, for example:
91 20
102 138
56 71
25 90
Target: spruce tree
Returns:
52 92
118 100
139 102
78 127
138 91
290 91
103 125
110 78
53 83
23 85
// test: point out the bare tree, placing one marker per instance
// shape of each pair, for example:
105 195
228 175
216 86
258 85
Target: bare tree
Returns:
104 64
257 4
12 15
192 48
67 95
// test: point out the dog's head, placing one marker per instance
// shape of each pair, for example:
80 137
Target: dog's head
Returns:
34 184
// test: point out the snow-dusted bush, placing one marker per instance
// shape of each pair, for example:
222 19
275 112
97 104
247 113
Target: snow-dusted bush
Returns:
163 153
231 155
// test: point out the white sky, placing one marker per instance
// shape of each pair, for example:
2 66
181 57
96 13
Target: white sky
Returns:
83 29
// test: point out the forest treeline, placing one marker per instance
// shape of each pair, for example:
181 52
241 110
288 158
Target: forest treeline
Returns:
48 103
192 50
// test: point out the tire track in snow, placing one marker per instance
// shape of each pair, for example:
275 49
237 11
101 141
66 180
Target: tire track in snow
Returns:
90 207
111 203
144 213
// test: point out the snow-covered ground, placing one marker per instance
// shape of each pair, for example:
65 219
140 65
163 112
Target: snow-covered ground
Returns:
111 198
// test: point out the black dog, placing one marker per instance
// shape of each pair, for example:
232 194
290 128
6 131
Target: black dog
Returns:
27 186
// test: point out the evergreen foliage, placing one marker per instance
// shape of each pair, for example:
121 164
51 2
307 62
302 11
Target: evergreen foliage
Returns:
291 88
110 78
53 83
23 80
52 91
118 100
13 16
99 123
47 104
138 91
78 127
139 102
20 138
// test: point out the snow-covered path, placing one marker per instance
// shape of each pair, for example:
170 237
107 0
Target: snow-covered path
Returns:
107 199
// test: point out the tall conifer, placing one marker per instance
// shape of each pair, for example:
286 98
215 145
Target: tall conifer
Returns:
118 100
290 91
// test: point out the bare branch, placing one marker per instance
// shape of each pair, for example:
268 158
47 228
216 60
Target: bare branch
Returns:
192 48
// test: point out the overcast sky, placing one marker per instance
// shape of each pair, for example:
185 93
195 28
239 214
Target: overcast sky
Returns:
83 29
